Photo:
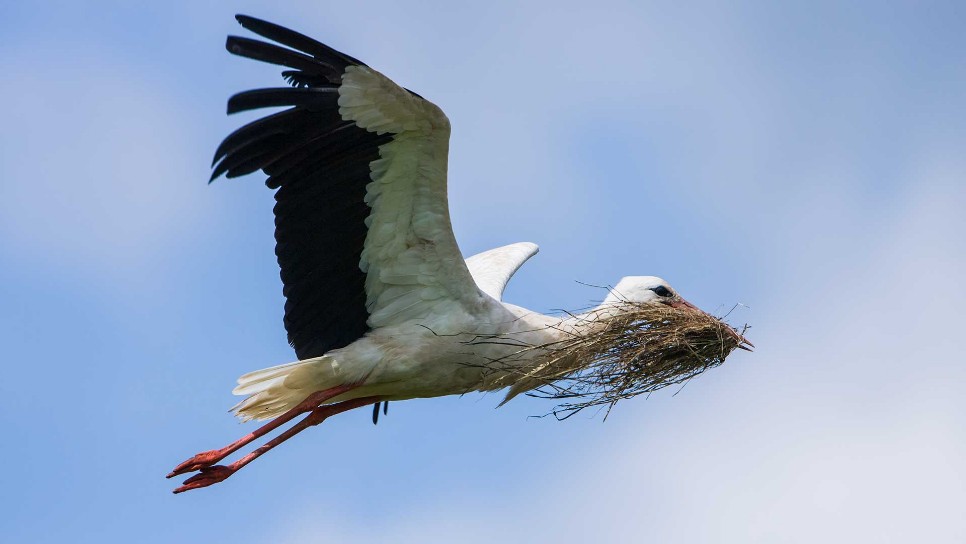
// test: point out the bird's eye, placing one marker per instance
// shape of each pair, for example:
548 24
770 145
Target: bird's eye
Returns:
661 291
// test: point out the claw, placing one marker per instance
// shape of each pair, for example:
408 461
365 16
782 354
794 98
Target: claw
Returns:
207 476
201 461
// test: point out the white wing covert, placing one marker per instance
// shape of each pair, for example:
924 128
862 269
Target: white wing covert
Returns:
411 257
493 269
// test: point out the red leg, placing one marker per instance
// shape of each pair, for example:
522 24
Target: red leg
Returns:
210 457
213 474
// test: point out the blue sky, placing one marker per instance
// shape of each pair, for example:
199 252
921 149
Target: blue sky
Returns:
806 161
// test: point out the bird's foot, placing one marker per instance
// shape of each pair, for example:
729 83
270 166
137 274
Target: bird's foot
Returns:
201 461
210 473
208 476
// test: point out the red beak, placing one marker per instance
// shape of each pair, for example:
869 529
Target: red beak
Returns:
682 304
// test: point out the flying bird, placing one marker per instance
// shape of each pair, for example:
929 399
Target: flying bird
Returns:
380 304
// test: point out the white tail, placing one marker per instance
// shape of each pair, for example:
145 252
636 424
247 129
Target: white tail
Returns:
273 391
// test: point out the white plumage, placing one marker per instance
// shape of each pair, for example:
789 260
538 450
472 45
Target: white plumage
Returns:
492 270
412 354
380 303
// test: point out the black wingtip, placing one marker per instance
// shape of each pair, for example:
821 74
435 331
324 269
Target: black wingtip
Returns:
233 46
218 170
246 20
323 96
295 40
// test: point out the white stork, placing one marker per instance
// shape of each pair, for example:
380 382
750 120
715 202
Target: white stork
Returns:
379 300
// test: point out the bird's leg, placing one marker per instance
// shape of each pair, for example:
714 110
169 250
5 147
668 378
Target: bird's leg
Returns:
210 457
213 474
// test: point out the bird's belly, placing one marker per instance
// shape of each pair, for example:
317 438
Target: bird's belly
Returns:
437 370
416 363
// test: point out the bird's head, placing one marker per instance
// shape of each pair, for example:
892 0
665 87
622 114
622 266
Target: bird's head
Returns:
647 290
654 290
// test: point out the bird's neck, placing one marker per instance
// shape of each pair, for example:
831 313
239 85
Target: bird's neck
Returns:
592 319
556 328
546 338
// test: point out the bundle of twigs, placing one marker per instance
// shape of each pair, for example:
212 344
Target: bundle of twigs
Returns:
628 350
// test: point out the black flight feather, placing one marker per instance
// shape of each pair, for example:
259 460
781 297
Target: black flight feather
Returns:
319 164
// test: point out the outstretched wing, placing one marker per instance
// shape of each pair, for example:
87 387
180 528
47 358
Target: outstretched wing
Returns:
362 222
493 269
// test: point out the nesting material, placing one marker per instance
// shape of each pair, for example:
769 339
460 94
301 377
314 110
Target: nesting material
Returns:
629 350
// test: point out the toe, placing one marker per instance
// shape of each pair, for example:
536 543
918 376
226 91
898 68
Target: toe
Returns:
198 462
207 476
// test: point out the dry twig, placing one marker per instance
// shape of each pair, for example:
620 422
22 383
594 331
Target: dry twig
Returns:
625 351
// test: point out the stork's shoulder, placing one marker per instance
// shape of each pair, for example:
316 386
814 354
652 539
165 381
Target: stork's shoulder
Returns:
379 105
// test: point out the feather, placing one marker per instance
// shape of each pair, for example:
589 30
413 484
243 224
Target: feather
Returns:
294 40
313 99
273 54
